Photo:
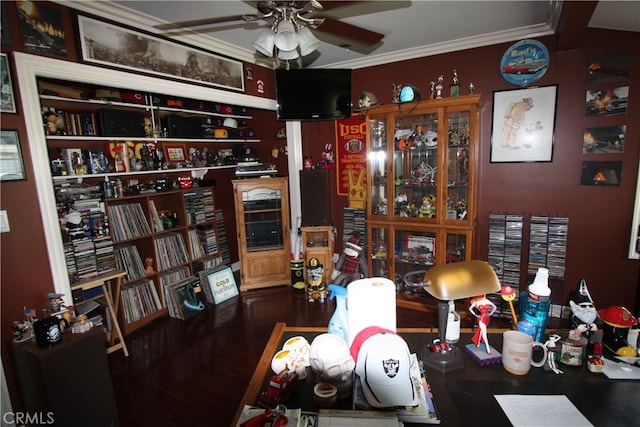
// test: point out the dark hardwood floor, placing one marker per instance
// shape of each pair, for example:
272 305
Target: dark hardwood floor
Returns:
194 372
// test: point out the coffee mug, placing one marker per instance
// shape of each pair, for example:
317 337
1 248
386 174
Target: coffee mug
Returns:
517 352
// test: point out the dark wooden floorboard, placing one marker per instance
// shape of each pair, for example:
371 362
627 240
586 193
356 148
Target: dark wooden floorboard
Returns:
194 372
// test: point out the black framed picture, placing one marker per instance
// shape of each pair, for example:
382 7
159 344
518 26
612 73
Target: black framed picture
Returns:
114 45
604 174
523 124
42 29
8 103
11 164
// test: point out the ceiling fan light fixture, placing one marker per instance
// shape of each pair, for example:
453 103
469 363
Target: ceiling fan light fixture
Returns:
265 42
286 38
287 55
307 41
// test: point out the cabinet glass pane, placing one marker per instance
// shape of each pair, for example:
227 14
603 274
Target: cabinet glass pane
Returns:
415 158
378 162
379 246
456 247
458 165
414 250
263 218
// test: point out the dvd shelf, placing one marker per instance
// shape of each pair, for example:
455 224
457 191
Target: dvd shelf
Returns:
548 245
505 255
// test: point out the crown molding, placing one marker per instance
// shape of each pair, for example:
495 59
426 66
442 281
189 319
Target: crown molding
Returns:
447 47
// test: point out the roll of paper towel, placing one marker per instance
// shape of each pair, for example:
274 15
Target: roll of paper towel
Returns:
371 302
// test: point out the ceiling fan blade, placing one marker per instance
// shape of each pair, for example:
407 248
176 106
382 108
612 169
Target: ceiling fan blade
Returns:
204 21
350 32
329 5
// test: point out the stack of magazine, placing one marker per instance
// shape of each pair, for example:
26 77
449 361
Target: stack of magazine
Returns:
423 413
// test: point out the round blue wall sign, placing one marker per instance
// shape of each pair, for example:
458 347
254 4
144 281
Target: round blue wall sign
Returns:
524 62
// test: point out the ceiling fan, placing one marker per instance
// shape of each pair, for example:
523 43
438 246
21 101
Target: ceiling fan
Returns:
288 35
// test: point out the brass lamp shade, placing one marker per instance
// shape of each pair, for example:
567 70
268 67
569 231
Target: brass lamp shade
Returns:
461 280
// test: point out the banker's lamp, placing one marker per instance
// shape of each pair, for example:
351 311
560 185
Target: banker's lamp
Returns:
448 282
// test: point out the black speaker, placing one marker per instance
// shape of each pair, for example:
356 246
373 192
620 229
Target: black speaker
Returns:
315 200
120 122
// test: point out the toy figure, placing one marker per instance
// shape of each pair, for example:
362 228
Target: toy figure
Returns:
316 288
583 311
56 303
350 265
552 349
149 265
482 308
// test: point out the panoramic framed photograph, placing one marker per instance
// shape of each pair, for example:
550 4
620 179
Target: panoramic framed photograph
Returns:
11 164
8 103
175 153
115 46
604 139
523 125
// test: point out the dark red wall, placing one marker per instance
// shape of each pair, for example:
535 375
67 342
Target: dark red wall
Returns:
599 217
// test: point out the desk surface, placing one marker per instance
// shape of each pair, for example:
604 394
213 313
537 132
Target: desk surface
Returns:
465 397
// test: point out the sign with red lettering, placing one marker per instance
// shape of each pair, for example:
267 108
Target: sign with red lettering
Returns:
351 151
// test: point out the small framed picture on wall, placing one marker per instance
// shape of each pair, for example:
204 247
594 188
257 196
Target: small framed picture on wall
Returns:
523 125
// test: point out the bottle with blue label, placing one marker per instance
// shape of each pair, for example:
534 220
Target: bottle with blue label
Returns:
338 324
535 303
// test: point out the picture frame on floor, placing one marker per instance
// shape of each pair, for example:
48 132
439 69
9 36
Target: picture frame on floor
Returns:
220 282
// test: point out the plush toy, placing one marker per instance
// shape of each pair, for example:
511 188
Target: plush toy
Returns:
351 265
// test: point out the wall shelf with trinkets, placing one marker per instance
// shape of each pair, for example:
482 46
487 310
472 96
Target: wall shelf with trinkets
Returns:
421 206
110 109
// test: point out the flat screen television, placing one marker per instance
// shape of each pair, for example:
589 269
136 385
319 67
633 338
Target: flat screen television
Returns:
313 94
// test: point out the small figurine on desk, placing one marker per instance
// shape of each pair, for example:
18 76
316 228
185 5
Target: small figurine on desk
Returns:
482 308
316 287
552 349
583 312
350 265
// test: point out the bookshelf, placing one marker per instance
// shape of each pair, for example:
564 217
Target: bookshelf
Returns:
31 69
160 238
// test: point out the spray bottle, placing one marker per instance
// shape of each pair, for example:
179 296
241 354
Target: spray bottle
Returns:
338 324
535 303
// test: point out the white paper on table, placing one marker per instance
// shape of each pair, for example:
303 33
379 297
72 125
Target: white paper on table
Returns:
537 410
620 370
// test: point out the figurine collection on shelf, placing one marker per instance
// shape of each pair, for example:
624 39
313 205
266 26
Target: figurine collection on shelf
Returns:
436 88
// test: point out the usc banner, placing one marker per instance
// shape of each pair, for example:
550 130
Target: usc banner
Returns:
351 155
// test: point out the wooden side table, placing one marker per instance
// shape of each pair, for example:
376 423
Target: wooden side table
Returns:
67 384
110 284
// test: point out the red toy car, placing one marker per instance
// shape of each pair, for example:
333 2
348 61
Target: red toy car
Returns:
279 388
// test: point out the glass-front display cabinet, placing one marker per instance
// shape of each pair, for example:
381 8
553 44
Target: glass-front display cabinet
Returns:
421 197
262 219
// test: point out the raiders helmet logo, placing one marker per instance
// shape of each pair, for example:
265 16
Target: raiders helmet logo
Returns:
391 367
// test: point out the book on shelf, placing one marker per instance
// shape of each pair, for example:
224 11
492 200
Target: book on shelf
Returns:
139 299
129 260
157 223
97 161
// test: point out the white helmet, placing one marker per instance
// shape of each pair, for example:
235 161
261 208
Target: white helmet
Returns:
367 100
